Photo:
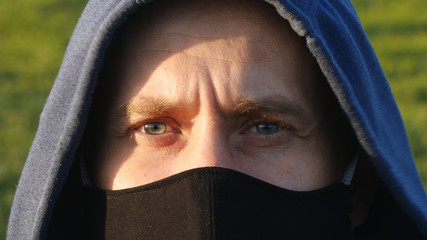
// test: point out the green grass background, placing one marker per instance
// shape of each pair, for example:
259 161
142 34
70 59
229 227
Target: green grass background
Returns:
35 33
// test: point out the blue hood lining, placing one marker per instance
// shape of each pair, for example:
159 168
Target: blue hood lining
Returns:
400 176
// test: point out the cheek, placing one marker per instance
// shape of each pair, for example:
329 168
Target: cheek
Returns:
140 167
319 164
144 163
122 162
287 161
301 164
110 159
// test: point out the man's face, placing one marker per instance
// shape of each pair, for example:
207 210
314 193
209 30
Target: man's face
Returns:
216 85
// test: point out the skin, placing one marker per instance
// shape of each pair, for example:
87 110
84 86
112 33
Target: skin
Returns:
212 73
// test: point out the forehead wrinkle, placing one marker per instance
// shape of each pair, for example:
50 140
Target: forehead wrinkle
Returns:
231 48
216 19
210 37
195 56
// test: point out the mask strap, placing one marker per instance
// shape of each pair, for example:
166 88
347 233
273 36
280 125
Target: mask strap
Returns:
349 170
83 172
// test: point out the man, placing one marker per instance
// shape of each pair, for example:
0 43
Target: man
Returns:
213 120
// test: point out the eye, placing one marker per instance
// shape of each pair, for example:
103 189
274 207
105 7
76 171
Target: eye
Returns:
154 128
265 128
156 133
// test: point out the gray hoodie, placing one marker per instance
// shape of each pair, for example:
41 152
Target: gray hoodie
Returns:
334 36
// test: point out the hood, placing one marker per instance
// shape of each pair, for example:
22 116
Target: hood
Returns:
334 36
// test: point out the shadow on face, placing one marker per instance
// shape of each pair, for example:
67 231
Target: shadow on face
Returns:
191 84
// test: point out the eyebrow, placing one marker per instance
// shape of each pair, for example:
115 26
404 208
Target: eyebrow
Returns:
275 104
145 106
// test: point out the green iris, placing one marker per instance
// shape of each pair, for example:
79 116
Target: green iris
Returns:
155 128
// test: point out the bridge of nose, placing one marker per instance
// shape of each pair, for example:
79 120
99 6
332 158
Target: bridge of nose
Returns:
209 143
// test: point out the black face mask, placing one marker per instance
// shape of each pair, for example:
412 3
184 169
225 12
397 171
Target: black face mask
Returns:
216 203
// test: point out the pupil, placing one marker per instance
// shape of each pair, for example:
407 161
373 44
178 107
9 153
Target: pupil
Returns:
155 128
267 128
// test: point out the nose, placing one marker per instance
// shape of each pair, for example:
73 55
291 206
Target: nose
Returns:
208 146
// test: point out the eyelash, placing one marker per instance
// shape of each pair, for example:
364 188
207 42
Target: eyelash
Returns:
283 125
282 136
170 137
166 120
162 140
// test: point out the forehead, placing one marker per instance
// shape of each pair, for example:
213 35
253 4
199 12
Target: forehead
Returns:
220 17
248 37
181 25
231 30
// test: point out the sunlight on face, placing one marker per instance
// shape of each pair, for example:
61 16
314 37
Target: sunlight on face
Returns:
236 89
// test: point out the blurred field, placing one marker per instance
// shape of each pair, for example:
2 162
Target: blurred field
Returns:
33 38
35 33
398 32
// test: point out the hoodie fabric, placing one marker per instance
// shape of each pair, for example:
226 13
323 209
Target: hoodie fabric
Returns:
334 36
